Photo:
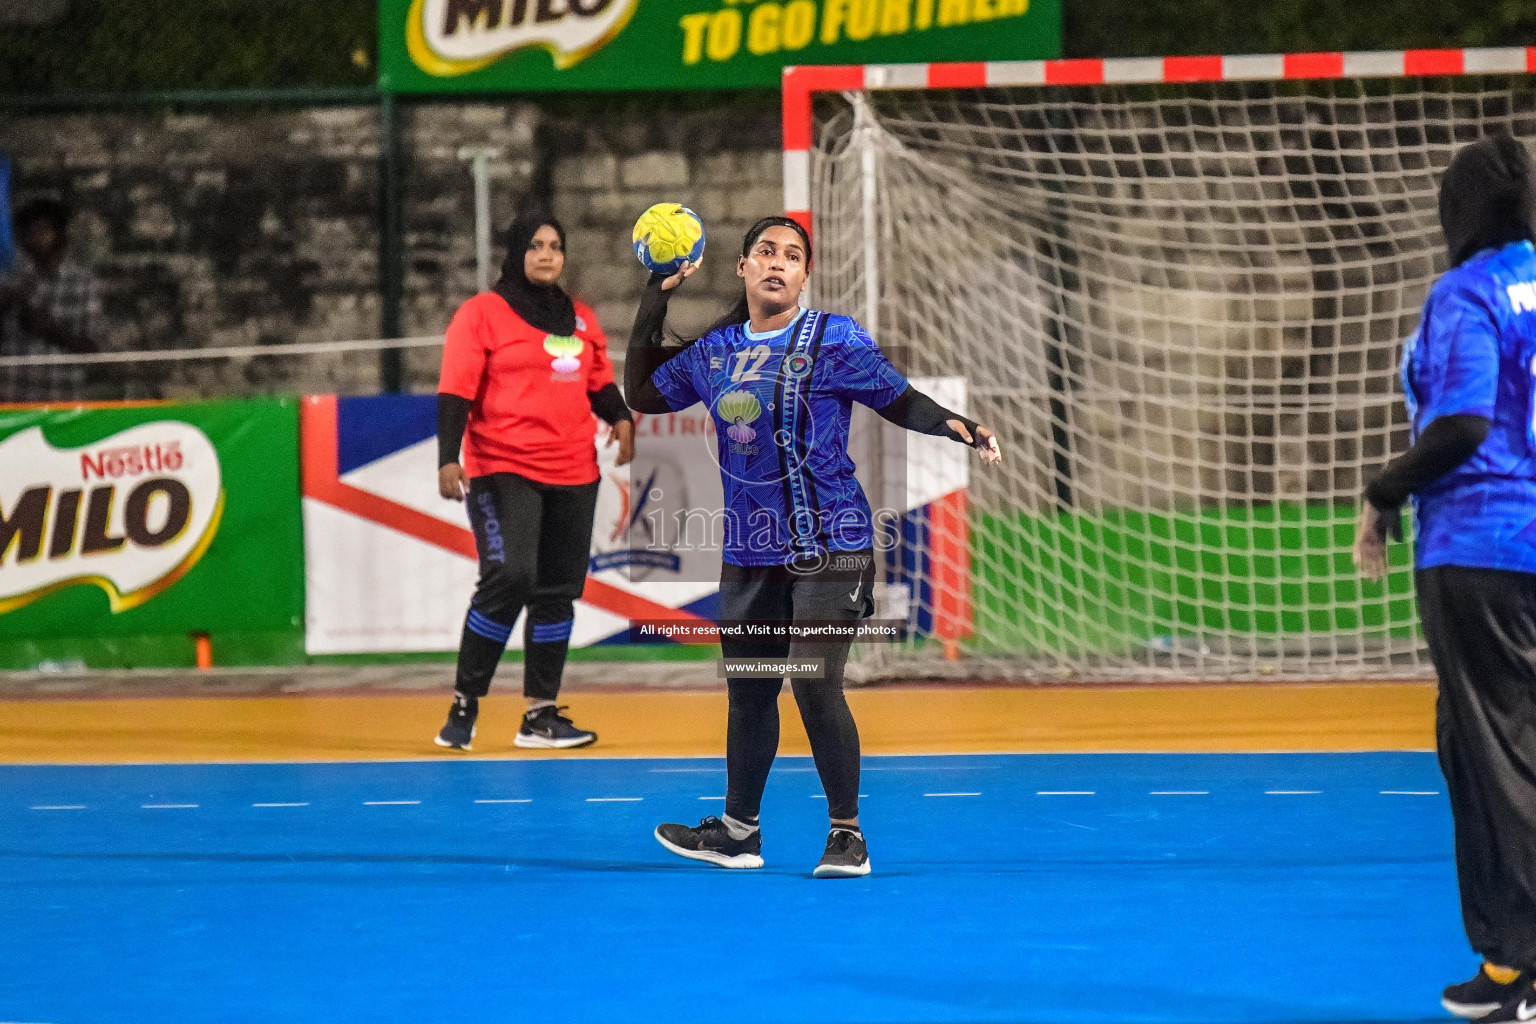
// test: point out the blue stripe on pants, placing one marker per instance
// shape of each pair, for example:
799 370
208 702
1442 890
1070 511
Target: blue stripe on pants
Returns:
552 632
483 626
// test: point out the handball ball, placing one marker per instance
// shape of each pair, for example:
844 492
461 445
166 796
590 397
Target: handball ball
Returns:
666 235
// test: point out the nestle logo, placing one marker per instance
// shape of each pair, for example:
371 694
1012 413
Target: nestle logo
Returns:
134 460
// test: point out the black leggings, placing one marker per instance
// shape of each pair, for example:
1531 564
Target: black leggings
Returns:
533 540
838 592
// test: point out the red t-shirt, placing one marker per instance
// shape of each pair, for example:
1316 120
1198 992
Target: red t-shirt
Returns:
531 415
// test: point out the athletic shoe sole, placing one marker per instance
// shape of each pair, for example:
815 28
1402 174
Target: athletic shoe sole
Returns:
533 741
1470 1011
740 860
438 739
841 870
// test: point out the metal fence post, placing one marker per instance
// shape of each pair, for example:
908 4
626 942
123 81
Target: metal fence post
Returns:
391 242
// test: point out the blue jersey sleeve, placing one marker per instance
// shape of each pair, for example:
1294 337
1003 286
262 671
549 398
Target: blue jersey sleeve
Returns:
674 379
1455 368
862 372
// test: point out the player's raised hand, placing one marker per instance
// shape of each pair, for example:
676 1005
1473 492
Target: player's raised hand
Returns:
684 272
984 441
1371 542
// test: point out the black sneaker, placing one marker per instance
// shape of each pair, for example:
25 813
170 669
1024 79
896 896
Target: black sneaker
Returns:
547 729
711 841
1478 997
1519 1007
846 855
460 730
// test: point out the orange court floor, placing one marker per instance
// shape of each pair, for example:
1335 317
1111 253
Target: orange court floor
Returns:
903 719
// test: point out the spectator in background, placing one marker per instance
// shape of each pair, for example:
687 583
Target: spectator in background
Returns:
49 305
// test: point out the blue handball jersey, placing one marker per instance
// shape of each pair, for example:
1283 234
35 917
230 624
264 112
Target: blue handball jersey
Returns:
1475 354
781 403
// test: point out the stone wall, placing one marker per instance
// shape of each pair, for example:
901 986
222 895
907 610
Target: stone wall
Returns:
239 226
724 163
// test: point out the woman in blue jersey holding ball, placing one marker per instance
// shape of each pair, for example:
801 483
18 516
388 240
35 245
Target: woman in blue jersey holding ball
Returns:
780 381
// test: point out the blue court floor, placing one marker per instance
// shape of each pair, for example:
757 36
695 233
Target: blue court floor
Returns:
1019 888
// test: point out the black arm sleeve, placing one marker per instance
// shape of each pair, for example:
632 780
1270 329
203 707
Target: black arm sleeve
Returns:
916 411
645 353
452 418
608 403
1446 443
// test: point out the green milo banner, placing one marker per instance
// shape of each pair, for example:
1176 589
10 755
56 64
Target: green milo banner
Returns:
125 531
521 45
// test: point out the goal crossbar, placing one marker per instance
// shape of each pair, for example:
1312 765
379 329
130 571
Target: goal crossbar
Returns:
802 82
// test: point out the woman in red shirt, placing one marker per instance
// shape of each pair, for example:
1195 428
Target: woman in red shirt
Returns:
524 369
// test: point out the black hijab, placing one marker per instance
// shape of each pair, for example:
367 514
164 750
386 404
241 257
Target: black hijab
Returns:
1488 197
546 307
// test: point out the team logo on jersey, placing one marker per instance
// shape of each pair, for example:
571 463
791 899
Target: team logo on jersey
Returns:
739 409
567 353
797 365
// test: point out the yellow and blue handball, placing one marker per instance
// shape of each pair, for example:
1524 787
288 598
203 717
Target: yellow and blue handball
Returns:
666 235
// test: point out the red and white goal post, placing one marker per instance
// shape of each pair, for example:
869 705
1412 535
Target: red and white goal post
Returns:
1177 288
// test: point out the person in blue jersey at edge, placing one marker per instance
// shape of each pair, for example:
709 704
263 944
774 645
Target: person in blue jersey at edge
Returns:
780 381
1469 381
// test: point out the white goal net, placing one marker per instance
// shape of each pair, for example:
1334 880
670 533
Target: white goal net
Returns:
1181 307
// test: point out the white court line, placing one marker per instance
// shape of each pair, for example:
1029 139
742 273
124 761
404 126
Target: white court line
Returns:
711 798
304 804
951 794
1410 792
683 771
917 767
166 807
390 803
59 807
614 799
1180 792
521 800
1292 792
823 796
1065 792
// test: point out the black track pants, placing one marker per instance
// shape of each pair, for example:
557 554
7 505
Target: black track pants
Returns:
533 540
1481 628
839 591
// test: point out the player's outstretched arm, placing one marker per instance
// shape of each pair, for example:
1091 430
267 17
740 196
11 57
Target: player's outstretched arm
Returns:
644 354
916 411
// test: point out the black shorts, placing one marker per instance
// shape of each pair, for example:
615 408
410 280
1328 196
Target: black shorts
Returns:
837 587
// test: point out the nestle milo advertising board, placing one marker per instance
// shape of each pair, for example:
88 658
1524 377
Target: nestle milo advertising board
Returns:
125 531
521 45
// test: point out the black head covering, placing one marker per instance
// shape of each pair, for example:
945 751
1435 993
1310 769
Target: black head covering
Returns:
546 307
1488 197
